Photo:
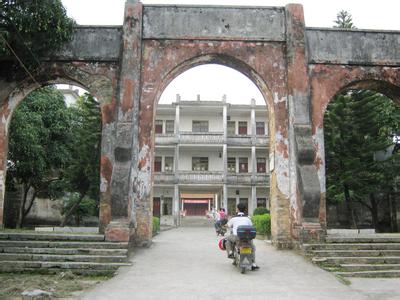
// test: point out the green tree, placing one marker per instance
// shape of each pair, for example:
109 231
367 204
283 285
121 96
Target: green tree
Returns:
33 28
39 136
82 175
358 125
344 20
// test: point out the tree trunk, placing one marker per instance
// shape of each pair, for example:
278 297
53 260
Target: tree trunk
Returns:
21 216
374 211
350 212
26 212
72 211
393 212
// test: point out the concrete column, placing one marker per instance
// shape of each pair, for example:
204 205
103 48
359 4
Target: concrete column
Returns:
176 162
177 115
253 200
216 204
175 206
253 119
225 160
225 196
225 118
129 209
253 163
237 199
161 206
163 163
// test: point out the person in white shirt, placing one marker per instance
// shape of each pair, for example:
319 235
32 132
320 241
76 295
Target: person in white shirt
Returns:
233 224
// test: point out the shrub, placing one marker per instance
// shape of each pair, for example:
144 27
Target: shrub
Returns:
262 223
156 225
260 211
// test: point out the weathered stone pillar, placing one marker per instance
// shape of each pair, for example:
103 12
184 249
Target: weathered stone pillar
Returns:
124 191
304 183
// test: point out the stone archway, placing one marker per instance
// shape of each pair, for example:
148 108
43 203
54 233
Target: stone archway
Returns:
128 66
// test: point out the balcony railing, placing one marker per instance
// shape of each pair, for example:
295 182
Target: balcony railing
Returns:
262 179
201 138
200 177
244 178
210 138
164 178
210 177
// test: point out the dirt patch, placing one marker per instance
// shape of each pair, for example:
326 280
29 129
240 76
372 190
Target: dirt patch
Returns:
63 285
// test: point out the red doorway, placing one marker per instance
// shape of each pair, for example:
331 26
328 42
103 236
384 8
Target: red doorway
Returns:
196 207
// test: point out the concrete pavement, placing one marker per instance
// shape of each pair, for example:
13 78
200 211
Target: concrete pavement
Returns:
185 263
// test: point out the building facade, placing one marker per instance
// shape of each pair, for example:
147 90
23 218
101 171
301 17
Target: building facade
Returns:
209 154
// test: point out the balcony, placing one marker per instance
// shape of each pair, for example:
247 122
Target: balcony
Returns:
200 177
166 139
239 140
201 138
247 179
262 140
262 179
164 178
240 178
210 177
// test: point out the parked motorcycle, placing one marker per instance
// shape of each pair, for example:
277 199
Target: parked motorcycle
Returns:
243 252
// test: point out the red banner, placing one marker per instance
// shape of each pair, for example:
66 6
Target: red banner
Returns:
196 201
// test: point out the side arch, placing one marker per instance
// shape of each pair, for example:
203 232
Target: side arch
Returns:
100 82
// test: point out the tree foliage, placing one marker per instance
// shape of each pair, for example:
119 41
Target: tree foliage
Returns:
33 28
359 125
82 174
344 20
39 139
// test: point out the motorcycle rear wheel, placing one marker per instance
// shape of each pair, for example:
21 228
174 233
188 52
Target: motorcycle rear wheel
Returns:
243 270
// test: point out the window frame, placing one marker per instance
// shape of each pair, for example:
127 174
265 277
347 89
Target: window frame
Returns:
199 128
203 163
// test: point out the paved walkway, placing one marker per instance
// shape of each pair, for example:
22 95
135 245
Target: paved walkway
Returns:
185 263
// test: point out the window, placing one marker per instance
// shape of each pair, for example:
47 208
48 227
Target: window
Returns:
167 206
243 128
232 164
260 128
157 164
169 126
199 126
261 164
245 201
169 164
200 163
261 202
159 126
231 128
243 165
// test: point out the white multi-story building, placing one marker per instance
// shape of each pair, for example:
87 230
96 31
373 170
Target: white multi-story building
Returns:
209 154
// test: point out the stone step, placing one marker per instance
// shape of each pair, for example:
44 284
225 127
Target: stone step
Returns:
371 274
51 236
335 261
55 267
352 246
63 244
372 238
65 251
368 267
354 253
61 258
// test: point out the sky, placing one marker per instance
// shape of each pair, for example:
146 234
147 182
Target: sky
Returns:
212 81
